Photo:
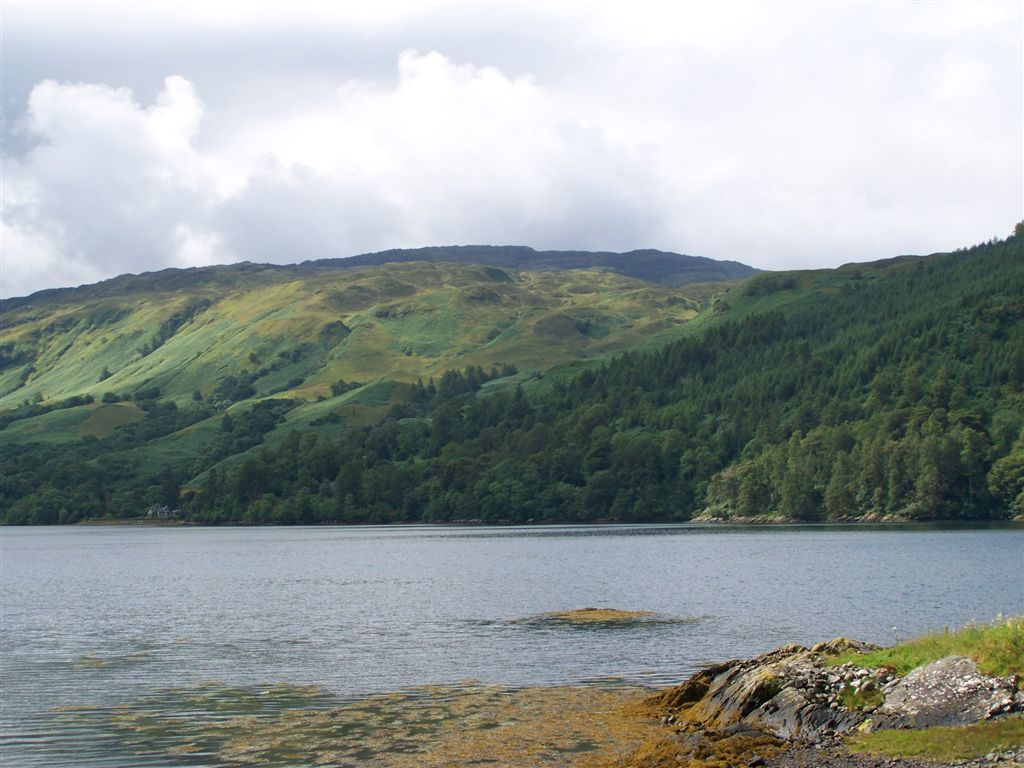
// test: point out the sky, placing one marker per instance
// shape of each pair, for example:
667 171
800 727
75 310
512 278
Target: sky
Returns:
785 135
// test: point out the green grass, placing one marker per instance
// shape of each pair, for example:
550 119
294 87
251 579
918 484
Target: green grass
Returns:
178 449
851 698
943 743
60 426
997 647
105 418
407 321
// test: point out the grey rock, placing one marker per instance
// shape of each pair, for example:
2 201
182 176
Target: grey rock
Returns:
841 645
947 692
791 693
742 729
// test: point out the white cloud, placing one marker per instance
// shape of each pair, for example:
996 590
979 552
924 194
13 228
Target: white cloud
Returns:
448 153
782 135
104 186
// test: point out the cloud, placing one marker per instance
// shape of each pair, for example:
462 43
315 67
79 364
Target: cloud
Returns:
448 153
783 135
105 184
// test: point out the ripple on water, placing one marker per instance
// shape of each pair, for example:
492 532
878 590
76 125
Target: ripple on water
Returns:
284 725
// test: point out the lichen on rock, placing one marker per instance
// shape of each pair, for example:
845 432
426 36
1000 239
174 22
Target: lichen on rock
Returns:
950 691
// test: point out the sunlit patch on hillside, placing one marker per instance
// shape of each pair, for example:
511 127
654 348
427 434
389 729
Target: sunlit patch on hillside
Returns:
106 418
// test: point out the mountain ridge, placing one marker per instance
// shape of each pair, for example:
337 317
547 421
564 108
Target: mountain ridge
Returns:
663 267
653 265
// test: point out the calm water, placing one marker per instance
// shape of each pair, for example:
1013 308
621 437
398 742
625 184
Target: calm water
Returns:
105 618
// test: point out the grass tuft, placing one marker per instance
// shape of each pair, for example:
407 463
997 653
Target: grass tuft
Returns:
943 743
855 699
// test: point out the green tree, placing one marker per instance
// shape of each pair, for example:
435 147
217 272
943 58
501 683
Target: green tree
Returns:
840 494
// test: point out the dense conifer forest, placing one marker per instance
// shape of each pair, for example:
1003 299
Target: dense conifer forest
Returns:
890 390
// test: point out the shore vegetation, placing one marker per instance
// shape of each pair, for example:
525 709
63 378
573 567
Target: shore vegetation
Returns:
997 647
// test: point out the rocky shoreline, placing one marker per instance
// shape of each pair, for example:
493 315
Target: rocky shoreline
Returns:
793 707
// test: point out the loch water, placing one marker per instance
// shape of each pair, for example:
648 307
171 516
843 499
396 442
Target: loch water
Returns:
101 620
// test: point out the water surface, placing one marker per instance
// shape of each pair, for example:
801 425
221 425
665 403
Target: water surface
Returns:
108 620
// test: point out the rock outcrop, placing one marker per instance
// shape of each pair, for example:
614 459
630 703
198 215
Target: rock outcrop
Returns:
797 694
950 692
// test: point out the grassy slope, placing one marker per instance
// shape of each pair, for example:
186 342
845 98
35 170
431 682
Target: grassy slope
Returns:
400 322
305 331
405 321
966 743
720 302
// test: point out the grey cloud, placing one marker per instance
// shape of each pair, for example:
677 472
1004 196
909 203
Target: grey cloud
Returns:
303 217
780 135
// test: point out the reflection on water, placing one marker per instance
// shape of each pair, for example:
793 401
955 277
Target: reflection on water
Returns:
110 636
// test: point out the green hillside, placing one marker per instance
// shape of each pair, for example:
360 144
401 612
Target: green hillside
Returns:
882 391
662 267
890 390
396 322
140 369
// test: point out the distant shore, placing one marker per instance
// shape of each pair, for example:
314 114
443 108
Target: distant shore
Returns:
697 522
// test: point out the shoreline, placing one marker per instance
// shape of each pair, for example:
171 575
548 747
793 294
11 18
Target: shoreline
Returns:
950 699
708 523
791 707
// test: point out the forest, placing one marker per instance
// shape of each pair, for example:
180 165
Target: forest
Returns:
885 391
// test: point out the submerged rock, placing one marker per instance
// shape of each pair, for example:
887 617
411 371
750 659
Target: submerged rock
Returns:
603 617
598 615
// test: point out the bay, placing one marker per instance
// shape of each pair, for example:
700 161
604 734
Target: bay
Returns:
106 619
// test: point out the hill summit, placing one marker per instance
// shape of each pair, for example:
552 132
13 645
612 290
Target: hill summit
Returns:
654 266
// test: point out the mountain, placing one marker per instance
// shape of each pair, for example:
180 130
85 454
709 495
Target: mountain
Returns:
890 390
143 367
184 331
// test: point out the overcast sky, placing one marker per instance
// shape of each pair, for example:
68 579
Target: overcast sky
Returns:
142 135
